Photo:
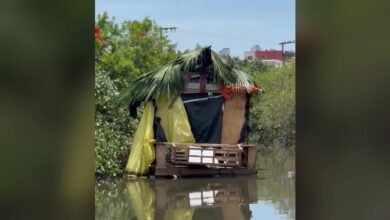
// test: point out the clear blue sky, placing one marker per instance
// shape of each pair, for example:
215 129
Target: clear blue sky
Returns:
235 24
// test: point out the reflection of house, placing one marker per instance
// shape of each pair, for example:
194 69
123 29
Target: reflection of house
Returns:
226 198
186 199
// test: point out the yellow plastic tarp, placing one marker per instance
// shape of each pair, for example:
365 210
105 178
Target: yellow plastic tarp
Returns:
176 127
143 199
179 213
142 151
174 121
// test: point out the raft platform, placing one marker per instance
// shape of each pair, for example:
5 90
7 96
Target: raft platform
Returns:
188 159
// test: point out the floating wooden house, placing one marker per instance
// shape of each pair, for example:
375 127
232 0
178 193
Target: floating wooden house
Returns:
195 121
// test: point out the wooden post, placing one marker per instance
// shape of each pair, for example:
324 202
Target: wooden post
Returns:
251 157
161 152
202 81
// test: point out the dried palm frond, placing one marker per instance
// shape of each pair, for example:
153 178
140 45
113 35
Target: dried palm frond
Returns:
169 81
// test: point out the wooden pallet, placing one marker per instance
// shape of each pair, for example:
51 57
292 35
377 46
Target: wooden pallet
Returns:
173 159
210 156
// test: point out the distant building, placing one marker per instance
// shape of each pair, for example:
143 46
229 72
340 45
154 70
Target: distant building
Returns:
264 55
276 63
225 52
269 57
256 47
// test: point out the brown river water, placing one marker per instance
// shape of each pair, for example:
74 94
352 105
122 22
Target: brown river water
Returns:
268 195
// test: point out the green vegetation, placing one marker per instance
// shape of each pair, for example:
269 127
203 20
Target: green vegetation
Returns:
273 112
248 66
128 50
133 48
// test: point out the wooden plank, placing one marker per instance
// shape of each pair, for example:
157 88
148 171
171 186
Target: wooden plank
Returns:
233 119
203 144
195 88
185 171
161 152
228 157
251 157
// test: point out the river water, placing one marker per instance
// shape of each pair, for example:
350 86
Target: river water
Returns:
268 195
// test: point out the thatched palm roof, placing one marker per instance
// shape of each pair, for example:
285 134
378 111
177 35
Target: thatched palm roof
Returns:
169 80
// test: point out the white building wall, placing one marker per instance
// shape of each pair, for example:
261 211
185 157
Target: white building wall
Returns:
276 63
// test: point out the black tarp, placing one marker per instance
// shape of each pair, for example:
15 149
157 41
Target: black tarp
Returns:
205 116
159 134
158 131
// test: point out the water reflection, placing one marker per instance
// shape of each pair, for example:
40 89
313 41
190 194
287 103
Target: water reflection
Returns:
269 195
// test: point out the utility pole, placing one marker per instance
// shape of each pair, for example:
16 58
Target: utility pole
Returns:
166 29
283 43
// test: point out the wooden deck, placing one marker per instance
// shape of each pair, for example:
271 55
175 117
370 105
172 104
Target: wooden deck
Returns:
185 171
163 167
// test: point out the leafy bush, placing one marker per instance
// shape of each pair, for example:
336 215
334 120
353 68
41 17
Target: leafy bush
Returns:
114 128
128 50
273 113
248 66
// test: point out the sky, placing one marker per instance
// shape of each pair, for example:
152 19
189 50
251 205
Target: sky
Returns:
233 24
